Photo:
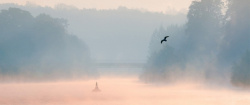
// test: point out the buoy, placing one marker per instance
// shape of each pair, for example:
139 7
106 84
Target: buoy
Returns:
96 88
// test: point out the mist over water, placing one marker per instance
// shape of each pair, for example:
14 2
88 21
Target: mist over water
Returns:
55 56
119 90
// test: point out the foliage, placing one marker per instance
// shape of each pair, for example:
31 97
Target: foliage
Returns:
39 46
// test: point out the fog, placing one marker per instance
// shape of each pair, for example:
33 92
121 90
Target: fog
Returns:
149 5
212 46
117 90
54 56
117 35
40 48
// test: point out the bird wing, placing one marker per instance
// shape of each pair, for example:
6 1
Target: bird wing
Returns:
165 37
162 41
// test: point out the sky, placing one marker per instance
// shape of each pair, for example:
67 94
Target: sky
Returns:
147 5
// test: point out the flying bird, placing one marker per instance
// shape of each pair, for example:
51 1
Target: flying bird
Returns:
165 39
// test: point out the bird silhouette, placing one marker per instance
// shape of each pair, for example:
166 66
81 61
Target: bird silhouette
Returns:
165 39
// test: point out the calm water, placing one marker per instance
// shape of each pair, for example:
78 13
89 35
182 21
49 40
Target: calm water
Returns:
117 91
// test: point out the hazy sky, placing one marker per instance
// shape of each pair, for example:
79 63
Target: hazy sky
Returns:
150 5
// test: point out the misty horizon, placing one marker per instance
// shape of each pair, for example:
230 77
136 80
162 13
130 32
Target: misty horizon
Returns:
158 7
121 17
56 54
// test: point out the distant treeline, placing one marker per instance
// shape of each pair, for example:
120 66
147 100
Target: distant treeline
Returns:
101 29
34 48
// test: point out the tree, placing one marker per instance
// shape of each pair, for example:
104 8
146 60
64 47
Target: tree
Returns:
203 26
237 31
236 42
202 31
241 71
163 58
39 47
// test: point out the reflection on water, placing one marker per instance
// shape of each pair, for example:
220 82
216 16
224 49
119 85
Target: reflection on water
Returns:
117 91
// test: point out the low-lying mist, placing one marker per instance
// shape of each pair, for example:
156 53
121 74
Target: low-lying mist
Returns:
119 91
